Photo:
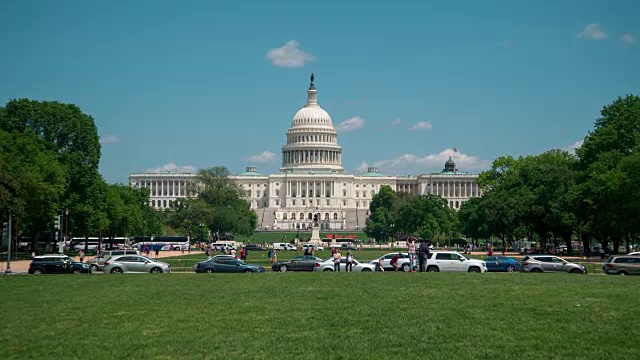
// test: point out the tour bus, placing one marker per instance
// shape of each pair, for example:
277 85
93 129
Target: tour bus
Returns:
93 243
162 243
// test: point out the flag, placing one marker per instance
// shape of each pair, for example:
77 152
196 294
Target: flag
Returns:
455 149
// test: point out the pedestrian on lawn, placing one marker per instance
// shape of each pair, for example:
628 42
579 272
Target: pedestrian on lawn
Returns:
275 256
333 251
394 261
412 254
336 260
379 266
243 254
157 252
81 256
490 253
349 261
423 255
270 255
233 253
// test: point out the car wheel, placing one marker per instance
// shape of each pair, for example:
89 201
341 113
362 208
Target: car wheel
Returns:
208 270
406 267
38 272
94 268
77 271
575 271
536 270
156 270
247 271
474 269
433 269
366 270
511 268
327 270
116 271
283 268
622 273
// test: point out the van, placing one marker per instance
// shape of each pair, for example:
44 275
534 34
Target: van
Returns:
284 247
315 246
98 262
228 245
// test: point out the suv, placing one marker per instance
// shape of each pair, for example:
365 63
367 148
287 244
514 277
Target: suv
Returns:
253 247
549 263
97 262
284 246
453 261
622 265
57 264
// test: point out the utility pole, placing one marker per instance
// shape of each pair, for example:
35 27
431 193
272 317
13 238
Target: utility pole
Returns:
9 248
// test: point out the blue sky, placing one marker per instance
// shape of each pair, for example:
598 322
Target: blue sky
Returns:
191 84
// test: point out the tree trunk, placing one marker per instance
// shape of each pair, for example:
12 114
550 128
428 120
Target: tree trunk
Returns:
584 237
34 241
567 242
616 244
627 240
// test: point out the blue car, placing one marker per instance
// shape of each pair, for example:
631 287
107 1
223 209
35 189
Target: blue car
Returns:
226 264
502 263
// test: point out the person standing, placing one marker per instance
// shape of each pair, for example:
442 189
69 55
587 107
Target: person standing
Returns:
412 254
243 254
333 251
270 255
81 256
349 261
337 257
423 255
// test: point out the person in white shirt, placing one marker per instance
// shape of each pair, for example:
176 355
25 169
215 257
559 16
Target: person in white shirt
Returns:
349 261
336 260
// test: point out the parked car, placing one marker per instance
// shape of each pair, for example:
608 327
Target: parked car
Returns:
97 262
253 247
622 265
316 246
298 263
502 263
57 264
134 264
550 263
284 247
453 261
225 264
403 262
328 265
634 253
346 247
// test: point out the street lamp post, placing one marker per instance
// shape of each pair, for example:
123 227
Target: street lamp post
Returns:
8 271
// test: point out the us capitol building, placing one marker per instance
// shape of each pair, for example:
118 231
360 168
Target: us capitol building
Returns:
312 180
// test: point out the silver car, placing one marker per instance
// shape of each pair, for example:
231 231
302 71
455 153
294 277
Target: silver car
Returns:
328 265
549 263
134 264
403 261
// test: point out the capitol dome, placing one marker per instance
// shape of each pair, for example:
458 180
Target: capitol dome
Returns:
312 141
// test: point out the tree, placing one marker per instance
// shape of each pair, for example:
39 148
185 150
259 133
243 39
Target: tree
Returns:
426 216
472 220
380 224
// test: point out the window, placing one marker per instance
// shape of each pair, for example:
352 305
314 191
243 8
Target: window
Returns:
304 202
293 216
310 216
372 192
277 192
357 193
327 202
284 216
153 203
301 216
164 203
344 202
344 193
335 216
326 216
444 256
293 202
277 202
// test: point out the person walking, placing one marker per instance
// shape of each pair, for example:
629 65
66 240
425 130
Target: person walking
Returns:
412 254
157 252
81 256
423 255
349 261
337 257
270 255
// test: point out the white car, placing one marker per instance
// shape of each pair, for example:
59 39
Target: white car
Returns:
634 253
403 262
307 245
328 265
284 247
453 261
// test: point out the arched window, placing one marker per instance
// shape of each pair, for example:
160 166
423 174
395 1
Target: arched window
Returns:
164 203
153 203
277 192
326 216
301 216
310 216
344 193
457 205
335 216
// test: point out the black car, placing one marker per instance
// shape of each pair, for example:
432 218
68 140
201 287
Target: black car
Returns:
253 247
226 264
348 247
298 263
57 264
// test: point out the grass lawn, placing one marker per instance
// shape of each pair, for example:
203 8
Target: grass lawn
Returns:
320 316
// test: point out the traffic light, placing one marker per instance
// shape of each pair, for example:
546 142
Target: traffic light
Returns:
57 220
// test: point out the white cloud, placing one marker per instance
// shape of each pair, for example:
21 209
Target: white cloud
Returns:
593 31
289 56
572 148
422 125
411 164
396 122
351 124
172 168
628 38
110 139
264 157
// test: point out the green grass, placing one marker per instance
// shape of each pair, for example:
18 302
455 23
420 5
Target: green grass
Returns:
279 236
320 316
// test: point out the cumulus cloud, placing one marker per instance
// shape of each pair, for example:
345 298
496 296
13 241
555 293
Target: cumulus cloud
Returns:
422 125
412 164
110 139
354 123
593 32
572 148
289 56
173 168
628 38
396 122
264 157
